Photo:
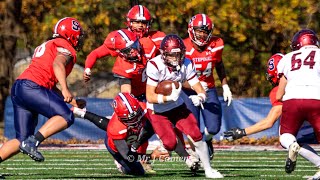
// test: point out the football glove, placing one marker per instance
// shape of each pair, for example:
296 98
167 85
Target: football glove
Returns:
234 134
227 95
87 74
78 112
197 100
175 93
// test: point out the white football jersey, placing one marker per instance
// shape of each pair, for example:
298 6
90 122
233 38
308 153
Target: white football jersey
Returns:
157 71
302 70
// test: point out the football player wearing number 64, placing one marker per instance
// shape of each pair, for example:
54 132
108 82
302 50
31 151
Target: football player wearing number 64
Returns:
35 92
205 51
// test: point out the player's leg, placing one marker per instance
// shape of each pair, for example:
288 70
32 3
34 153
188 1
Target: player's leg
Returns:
163 127
291 120
100 121
187 123
314 119
211 114
124 166
51 105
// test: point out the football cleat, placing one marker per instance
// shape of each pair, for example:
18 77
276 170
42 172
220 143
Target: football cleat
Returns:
213 174
193 162
148 168
315 176
29 147
292 157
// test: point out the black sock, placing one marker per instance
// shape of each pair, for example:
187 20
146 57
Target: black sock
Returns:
39 137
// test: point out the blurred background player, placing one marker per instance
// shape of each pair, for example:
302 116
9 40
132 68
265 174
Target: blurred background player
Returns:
168 111
205 51
274 114
34 91
299 89
139 22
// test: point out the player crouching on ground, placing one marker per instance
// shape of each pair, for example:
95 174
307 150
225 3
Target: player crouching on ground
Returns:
168 111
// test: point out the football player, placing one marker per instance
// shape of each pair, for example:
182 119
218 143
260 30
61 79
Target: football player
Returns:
274 114
299 89
205 51
139 22
168 111
34 92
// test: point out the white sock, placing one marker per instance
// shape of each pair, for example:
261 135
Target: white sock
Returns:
202 151
309 154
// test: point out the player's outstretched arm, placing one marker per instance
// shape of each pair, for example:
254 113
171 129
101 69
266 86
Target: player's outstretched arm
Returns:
100 121
266 123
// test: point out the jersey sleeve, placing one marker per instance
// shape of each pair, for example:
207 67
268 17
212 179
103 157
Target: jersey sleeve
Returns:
272 97
149 48
152 73
191 73
116 130
281 67
216 48
100 52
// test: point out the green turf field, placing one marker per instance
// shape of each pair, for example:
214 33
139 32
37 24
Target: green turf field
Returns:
98 164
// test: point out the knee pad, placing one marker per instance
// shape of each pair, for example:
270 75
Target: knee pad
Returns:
286 139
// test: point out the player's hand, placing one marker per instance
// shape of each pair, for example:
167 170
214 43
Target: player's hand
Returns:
197 100
204 85
175 93
67 96
234 134
227 95
81 103
157 154
87 75
78 112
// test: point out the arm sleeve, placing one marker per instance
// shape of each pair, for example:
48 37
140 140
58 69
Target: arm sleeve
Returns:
100 52
122 148
99 121
146 133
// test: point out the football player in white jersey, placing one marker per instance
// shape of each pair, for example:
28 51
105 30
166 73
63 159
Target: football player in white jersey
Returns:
299 89
168 111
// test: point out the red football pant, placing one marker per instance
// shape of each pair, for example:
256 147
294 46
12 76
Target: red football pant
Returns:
163 125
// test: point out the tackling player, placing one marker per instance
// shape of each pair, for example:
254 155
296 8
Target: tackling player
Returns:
299 89
34 92
139 22
205 51
168 111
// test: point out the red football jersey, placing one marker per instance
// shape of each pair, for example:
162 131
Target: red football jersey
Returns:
40 70
205 61
156 37
272 96
136 70
116 130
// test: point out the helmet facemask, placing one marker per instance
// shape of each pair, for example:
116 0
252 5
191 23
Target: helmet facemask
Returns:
132 52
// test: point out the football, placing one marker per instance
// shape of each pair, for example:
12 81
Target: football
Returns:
165 87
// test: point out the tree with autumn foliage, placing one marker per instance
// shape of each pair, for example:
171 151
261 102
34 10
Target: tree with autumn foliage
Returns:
252 30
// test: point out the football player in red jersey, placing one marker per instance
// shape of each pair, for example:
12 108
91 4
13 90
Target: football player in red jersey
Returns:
299 90
205 51
168 111
34 91
139 22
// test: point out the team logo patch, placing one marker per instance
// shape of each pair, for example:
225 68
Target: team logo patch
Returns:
271 65
75 25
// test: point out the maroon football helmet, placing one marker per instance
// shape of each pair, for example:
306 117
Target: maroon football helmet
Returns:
272 72
71 30
304 37
172 51
128 109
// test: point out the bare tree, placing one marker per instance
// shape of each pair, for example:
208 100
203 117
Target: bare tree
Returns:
9 33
